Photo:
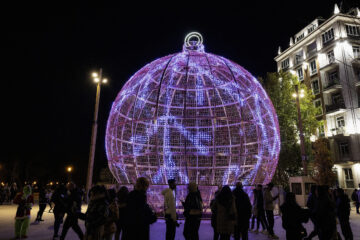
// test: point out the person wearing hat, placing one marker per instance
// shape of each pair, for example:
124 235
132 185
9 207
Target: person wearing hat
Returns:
269 209
25 200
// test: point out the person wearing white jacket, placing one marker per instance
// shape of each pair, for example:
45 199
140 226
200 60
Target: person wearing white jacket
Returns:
170 209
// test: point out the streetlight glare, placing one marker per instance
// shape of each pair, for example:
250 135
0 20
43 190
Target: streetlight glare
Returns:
69 169
302 91
94 74
96 79
104 80
301 95
294 95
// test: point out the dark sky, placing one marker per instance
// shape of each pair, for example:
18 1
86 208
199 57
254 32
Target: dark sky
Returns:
48 53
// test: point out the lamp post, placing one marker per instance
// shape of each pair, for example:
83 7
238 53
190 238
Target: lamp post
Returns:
301 133
69 170
97 77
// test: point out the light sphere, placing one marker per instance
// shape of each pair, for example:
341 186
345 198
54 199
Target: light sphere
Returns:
193 117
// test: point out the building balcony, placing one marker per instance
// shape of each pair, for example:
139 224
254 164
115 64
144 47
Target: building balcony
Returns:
311 53
337 131
331 63
335 108
332 86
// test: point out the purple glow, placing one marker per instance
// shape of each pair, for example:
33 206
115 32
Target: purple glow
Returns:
224 131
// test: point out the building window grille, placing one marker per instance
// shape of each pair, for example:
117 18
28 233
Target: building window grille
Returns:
315 86
317 104
298 38
328 36
311 29
300 73
313 68
353 30
285 63
349 180
356 51
331 56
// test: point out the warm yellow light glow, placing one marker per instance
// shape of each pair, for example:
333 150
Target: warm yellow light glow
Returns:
34 182
294 95
301 95
69 169
104 80
51 183
94 74
96 79
302 91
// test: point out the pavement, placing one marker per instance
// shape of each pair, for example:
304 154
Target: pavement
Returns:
44 230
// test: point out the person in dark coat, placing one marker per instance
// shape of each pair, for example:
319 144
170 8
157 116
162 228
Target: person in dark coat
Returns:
292 218
122 196
226 214
96 214
324 214
243 208
343 213
42 203
139 215
58 199
192 212
213 214
260 208
311 203
73 209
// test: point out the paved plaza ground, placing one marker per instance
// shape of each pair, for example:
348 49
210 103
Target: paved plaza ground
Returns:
44 230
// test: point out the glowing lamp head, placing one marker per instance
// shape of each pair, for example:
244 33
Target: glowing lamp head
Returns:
104 80
69 169
193 117
94 74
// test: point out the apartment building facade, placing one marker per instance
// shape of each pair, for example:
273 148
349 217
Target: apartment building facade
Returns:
325 56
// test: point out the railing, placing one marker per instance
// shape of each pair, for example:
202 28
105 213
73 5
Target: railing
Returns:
332 83
334 107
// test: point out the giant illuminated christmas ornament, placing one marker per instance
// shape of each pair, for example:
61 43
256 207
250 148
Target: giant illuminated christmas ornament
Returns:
195 117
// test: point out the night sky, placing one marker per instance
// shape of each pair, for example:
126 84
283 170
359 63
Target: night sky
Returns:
48 53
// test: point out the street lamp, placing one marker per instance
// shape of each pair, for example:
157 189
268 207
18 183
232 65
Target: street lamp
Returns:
69 169
98 79
297 96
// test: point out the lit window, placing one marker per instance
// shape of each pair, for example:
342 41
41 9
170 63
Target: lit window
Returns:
315 86
349 180
328 36
340 122
352 30
330 56
285 63
313 68
356 51
300 74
